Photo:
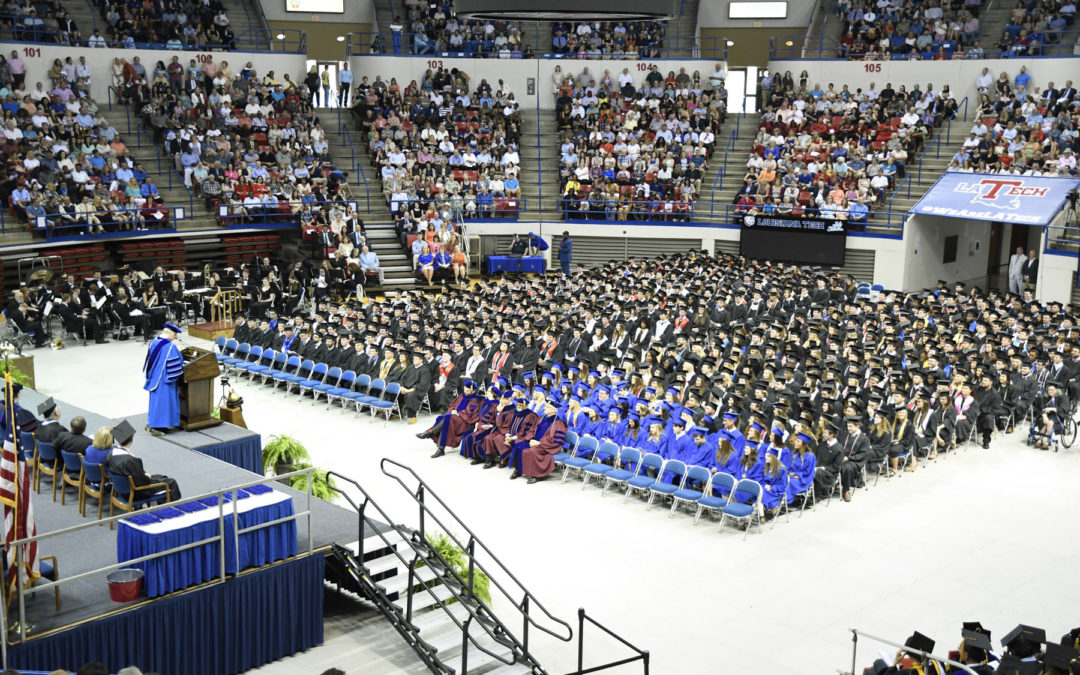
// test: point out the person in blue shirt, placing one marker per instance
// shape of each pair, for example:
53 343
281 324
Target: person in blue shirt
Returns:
148 188
345 79
443 265
566 253
100 447
425 264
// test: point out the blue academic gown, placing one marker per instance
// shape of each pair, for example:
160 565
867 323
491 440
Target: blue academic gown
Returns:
755 472
735 437
577 422
163 367
803 478
772 488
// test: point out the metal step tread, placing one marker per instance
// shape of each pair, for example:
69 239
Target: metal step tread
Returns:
424 599
399 583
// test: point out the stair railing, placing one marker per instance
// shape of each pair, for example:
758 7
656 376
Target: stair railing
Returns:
856 633
489 622
422 494
642 654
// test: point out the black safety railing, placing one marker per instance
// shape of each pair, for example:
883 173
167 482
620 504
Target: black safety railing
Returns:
642 654
460 589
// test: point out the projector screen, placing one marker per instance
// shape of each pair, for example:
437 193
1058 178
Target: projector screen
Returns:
316 6
757 10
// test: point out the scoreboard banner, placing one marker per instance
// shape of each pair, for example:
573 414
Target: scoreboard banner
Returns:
818 241
1022 200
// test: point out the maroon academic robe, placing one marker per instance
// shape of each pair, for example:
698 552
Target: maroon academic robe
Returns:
520 424
537 460
468 410
489 411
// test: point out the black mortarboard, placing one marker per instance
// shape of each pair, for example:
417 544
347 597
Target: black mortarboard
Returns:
1022 632
920 642
123 433
975 639
47 407
1060 656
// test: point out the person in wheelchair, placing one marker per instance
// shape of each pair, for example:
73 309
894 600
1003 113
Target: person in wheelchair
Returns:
1054 405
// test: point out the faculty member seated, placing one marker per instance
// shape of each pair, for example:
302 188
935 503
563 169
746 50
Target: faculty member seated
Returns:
121 462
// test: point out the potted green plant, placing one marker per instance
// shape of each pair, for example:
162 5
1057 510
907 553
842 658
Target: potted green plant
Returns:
321 483
17 376
284 453
459 562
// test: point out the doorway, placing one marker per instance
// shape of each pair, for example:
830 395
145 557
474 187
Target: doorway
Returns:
327 96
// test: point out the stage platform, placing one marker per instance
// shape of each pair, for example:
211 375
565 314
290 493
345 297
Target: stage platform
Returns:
211 330
176 455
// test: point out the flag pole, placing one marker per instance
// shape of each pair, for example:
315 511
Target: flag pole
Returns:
7 587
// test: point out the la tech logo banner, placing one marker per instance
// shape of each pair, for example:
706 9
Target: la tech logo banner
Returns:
1025 200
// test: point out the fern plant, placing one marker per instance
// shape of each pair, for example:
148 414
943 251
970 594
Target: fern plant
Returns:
17 376
321 483
459 562
283 450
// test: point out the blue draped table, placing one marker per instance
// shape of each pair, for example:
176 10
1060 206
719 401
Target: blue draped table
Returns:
503 263
245 453
146 533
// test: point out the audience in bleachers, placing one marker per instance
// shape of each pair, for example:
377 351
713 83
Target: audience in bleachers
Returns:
431 27
177 25
635 151
444 149
608 39
1021 129
1034 27
915 30
837 153
70 172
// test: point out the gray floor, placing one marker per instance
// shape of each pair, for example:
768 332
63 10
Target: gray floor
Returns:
984 534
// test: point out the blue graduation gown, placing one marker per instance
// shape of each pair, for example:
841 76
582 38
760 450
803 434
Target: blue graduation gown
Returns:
801 476
735 437
163 367
772 488
755 472
700 455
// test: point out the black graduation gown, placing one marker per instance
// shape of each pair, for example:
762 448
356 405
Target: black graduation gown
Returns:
828 465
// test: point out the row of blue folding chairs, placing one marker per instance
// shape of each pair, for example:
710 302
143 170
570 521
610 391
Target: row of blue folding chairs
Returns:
305 376
643 473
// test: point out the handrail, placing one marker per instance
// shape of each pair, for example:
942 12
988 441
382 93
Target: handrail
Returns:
856 633
718 181
642 654
268 216
220 537
56 230
423 491
728 147
417 581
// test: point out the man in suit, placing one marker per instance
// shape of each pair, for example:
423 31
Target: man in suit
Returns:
121 462
1016 271
1031 271
50 426
853 456
74 439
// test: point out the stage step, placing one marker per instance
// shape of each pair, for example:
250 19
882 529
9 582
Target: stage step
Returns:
423 599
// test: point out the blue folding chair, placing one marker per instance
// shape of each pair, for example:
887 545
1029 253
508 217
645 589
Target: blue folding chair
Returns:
388 404
583 456
47 462
723 483
329 382
238 358
375 390
664 489
285 376
72 475
303 372
264 369
688 493
277 367
251 363
569 447
744 505
359 392
344 386
318 374
598 468
619 474
642 481
219 342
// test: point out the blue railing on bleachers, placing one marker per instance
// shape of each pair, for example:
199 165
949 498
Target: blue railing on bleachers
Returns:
56 226
371 43
292 41
501 208
823 47
279 213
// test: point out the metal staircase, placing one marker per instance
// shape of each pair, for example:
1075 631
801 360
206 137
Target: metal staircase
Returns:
431 603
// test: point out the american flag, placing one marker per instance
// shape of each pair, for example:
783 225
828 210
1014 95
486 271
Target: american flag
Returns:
15 496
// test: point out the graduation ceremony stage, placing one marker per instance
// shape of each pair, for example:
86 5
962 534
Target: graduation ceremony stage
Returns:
256 616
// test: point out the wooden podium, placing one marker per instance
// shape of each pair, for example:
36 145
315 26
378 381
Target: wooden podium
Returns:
197 389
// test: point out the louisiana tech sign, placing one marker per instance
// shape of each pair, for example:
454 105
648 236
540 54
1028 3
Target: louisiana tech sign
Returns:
1024 200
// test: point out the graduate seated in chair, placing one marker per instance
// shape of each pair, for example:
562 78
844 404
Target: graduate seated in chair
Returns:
121 462
1054 407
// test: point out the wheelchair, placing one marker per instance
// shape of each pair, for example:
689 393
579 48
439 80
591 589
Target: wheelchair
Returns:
1063 432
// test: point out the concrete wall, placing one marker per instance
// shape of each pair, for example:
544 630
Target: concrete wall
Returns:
1055 271
515 73
322 36
39 58
959 75
714 13
924 238
356 11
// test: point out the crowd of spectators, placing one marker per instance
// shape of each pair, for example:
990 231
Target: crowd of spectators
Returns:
178 24
40 21
608 39
837 153
1034 27
444 150
1021 129
68 170
252 144
635 150
890 30
433 27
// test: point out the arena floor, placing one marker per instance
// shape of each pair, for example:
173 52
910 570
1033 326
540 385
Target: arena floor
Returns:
980 535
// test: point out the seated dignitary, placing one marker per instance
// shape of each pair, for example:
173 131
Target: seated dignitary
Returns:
121 462
73 440
460 416
50 427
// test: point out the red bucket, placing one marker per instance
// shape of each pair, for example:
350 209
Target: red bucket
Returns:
125 584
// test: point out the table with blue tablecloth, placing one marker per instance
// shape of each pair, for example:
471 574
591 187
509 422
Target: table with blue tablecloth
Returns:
506 263
153 532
